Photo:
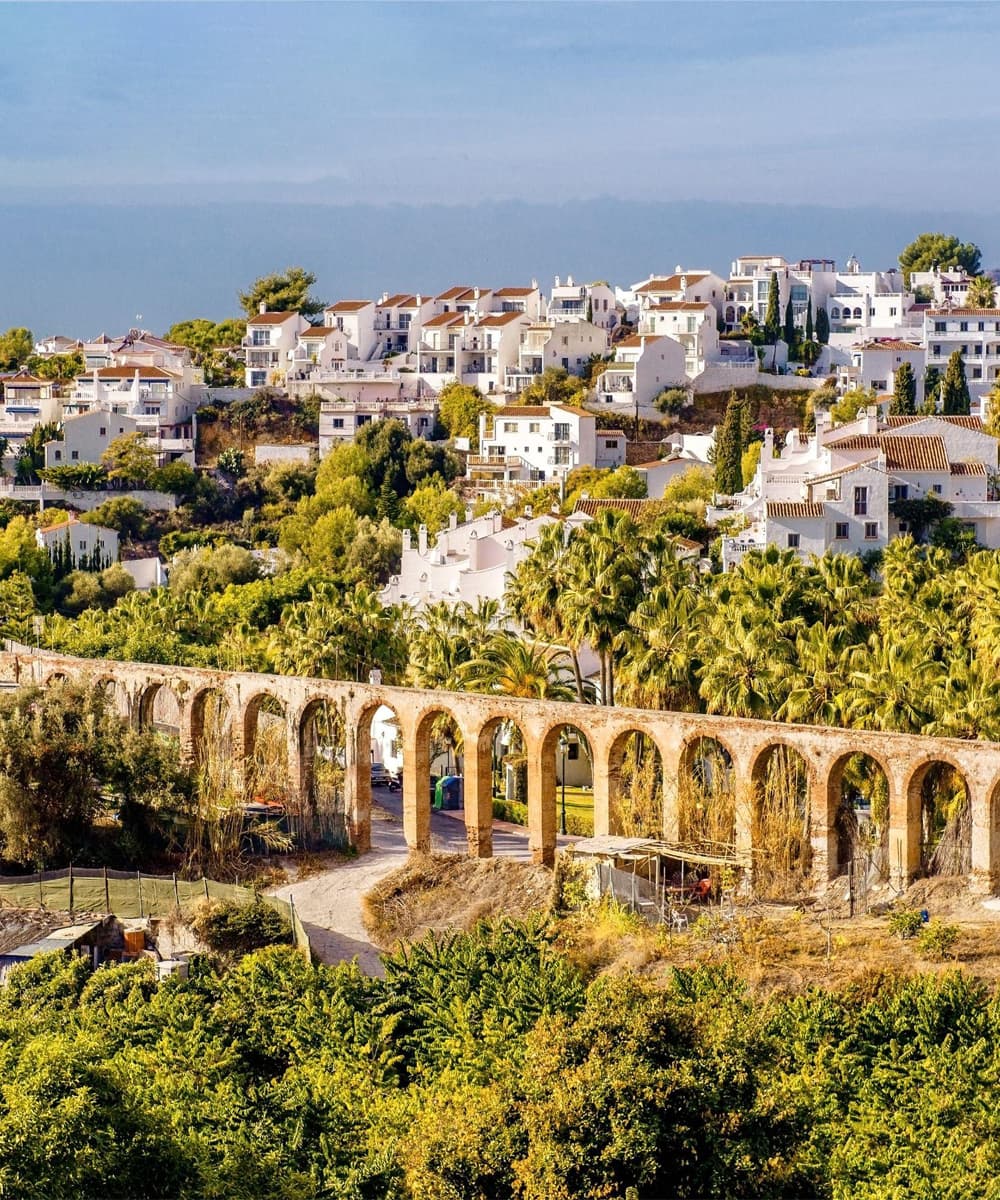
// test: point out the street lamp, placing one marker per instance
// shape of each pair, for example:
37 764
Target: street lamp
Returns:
563 742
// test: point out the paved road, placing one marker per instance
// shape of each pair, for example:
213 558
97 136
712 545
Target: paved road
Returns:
448 828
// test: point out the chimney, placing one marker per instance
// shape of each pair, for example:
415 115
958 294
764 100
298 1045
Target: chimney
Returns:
473 551
262 307
453 520
534 284
528 512
406 541
569 280
558 284
422 539
468 514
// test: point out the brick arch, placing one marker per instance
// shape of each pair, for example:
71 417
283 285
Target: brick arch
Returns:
480 743
250 713
685 819
827 809
145 701
197 715
781 840
614 757
915 778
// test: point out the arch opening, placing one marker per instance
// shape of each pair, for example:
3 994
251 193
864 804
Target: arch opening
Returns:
440 762
858 808
159 709
265 750
212 749
780 823
706 796
939 792
320 815
567 779
636 786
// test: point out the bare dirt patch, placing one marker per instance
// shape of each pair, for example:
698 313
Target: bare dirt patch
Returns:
448 891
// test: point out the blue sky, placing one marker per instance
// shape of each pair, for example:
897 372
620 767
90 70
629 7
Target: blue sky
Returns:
381 102
156 157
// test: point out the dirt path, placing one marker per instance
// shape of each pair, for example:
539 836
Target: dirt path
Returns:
329 904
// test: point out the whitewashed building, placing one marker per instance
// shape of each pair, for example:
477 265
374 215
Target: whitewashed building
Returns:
87 547
269 344
975 332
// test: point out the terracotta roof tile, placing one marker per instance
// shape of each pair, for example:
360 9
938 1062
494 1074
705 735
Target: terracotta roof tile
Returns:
129 371
443 319
522 410
680 306
515 291
318 331
400 300
635 341
276 318
497 319
801 509
902 453
963 422
968 468
889 344
347 306
462 293
964 312
670 283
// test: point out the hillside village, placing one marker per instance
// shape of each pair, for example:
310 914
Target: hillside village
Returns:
536 386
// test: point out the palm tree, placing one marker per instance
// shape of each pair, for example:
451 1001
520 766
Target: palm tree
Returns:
510 666
891 684
818 677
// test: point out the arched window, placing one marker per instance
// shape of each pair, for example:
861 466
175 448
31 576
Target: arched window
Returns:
857 314
835 312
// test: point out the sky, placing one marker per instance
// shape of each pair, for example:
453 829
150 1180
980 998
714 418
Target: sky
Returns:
239 104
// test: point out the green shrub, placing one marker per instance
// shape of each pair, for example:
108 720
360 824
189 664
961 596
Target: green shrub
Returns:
232 928
510 810
906 922
937 940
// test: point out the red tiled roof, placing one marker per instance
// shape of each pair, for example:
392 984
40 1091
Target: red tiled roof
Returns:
890 344
785 509
22 377
277 318
445 319
635 341
129 371
968 468
318 331
522 410
400 300
670 283
515 291
963 422
462 293
495 319
902 453
680 306
347 306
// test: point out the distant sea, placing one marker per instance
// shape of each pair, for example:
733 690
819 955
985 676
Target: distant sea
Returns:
82 268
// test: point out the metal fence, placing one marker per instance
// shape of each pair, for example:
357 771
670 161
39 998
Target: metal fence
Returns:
131 894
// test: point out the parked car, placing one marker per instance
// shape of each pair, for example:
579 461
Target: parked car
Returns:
385 779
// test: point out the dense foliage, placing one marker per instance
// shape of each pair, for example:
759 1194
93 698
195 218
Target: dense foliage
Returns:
485 1065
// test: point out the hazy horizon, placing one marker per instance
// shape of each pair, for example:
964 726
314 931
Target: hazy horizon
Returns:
158 157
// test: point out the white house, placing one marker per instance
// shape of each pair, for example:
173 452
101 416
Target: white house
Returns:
699 286
644 365
592 302
356 320
87 547
269 344
319 347
534 443
835 489
976 333
398 321
876 362
569 343
27 401
364 397
467 562
161 402
86 436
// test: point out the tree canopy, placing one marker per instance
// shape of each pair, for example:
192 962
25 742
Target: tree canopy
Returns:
942 250
16 346
285 291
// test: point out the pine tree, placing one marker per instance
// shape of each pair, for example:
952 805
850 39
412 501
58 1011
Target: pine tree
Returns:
772 318
904 392
729 451
790 335
932 390
822 326
388 501
956 401
809 320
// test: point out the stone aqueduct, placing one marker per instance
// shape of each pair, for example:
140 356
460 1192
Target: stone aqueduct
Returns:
904 759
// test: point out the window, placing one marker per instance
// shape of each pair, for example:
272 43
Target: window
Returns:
612 445
366 420
871 530
508 427
338 422
937 489
534 427
977 372
102 432
939 326
58 455
899 491
892 312
83 544
573 751
835 312
963 327
75 455
793 541
423 422
857 314
860 501
261 337
982 326
841 531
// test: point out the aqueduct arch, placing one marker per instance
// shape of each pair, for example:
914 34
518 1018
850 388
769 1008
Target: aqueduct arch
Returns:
905 759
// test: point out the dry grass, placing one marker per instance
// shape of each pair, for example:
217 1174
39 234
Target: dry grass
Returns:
448 891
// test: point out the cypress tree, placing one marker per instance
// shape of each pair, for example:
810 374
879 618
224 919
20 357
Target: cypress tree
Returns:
822 326
388 502
955 400
790 336
729 450
904 392
772 318
809 320
932 388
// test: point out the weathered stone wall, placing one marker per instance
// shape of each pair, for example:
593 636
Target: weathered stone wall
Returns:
904 758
